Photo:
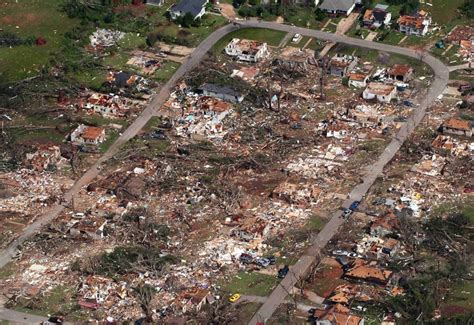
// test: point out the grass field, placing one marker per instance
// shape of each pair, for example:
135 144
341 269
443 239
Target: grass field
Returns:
251 283
31 18
271 37
443 11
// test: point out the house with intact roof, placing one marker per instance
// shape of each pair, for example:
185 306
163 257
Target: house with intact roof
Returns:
379 16
91 135
197 8
357 79
338 7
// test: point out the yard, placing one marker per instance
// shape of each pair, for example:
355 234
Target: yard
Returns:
31 18
250 283
443 11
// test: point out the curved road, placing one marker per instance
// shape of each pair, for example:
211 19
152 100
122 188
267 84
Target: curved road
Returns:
310 257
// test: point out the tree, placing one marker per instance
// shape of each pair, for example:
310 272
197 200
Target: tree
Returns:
186 20
145 294
367 3
468 8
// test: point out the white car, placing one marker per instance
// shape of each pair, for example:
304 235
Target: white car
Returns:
297 38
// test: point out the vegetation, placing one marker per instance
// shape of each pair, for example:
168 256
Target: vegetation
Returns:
126 259
250 283
467 8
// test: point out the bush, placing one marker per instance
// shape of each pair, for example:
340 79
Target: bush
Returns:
319 15
10 39
238 3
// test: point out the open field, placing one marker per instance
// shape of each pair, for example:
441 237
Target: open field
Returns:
31 18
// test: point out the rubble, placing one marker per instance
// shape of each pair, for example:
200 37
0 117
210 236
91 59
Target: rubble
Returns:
103 38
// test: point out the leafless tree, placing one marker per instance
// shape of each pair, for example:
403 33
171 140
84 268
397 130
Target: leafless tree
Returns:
145 294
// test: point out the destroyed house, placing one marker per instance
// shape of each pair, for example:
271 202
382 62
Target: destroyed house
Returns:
358 80
222 92
196 8
338 7
294 58
377 17
246 50
361 271
43 157
379 91
460 33
414 25
400 72
213 106
457 127
385 225
336 315
340 65
84 134
108 105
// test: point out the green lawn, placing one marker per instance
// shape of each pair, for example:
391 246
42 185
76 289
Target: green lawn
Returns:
251 283
443 11
302 17
194 35
463 296
166 71
315 223
393 38
132 41
459 75
34 18
271 37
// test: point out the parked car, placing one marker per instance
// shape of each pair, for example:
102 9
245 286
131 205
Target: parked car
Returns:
339 252
245 258
262 262
354 205
297 38
283 271
234 297
346 213
272 259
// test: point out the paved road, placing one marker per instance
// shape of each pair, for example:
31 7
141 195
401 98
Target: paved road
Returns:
459 67
303 265
19 317
260 299
310 257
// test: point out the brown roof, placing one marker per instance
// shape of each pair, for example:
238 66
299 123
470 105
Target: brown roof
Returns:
368 14
457 124
379 88
391 243
357 76
389 221
92 133
416 22
370 273
460 33
400 70
338 316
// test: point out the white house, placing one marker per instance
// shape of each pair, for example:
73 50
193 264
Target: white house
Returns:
247 50
88 135
382 92
414 25
358 80
196 8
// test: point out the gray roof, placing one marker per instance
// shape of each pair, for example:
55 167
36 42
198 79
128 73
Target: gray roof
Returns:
218 89
340 5
381 7
194 7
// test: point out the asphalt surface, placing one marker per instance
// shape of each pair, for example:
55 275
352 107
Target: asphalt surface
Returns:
154 108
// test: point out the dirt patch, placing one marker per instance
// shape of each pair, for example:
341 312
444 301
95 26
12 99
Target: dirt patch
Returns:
20 19
227 10
453 310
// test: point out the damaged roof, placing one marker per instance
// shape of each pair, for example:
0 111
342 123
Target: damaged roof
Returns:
400 70
457 124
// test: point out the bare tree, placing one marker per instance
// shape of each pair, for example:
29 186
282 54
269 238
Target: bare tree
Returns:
145 294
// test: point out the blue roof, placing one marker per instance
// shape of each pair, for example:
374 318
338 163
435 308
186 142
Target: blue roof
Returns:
194 7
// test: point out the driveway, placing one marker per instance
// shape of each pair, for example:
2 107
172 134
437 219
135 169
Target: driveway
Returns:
154 108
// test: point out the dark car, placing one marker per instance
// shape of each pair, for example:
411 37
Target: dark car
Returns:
283 271
354 205
272 259
246 258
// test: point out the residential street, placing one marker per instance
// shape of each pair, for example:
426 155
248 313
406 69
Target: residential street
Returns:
310 258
